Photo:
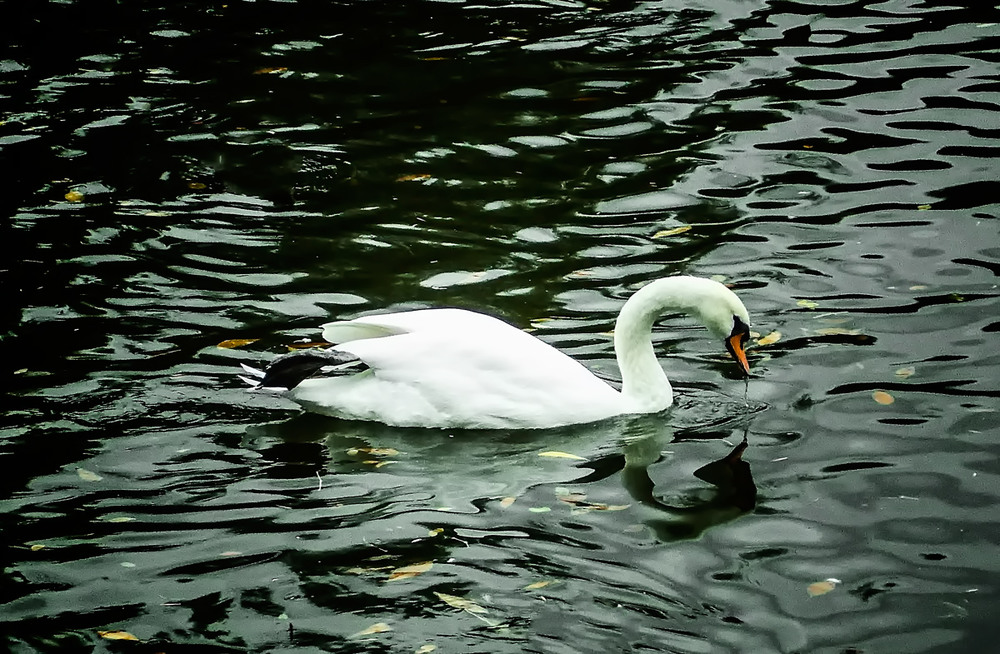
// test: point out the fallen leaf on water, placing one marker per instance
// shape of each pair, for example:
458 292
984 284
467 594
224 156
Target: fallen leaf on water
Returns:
36 547
74 196
770 339
561 455
116 635
266 71
923 207
822 587
376 451
121 518
413 178
540 509
377 628
424 649
507 501
410 571
906 373
837 331
197 186
539 584
460 603
303 346
435 532
236 342
231 553
87 475
663 233
808 304
883 398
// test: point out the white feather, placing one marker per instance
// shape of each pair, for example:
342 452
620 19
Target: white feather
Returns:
452 368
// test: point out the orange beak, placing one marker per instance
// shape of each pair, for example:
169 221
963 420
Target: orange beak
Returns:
735 347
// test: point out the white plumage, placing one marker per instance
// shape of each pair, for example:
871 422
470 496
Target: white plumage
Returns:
452 368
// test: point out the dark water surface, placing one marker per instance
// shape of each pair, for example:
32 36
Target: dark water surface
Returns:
177 177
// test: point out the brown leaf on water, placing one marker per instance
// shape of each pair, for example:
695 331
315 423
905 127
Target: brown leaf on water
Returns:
460 603
236 342
304 346
116 635
539 584
410 571
267 71
377 628
197 186
770 339
507 501
663 233
87 475
822 587
413 178
837 331
74 196
906 373
883 398
561 455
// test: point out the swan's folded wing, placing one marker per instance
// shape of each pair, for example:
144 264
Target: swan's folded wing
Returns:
346 331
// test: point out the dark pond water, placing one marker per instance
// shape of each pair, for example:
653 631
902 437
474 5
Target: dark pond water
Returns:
177 177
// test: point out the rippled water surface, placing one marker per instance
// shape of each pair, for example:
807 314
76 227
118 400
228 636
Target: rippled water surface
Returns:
178 177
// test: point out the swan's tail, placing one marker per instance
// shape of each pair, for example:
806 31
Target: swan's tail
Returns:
255 376
289 370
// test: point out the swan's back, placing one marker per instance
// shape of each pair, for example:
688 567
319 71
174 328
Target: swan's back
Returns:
455 368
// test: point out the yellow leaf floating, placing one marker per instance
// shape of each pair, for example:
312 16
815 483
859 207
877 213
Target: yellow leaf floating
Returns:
837 331
303 346
268 71
460 603
822 587
883 398
424 649
663 233
377 628
236 342
808 304
906 373
74 196
923 207
87 475
37 546
539 584
561 455
376 451
507 501
410 571
770 339
116 635
413 178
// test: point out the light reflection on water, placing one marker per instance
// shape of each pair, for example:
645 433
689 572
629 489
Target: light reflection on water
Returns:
537 161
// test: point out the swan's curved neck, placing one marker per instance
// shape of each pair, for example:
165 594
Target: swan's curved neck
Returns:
643 380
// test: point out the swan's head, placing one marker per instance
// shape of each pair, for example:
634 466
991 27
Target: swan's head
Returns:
717 307
725 317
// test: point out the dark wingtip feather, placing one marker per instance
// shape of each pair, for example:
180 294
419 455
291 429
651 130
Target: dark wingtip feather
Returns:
289 370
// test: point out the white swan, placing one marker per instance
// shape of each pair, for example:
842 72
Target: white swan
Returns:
452 368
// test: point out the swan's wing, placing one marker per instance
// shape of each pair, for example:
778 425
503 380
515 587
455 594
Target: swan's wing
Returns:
430 321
